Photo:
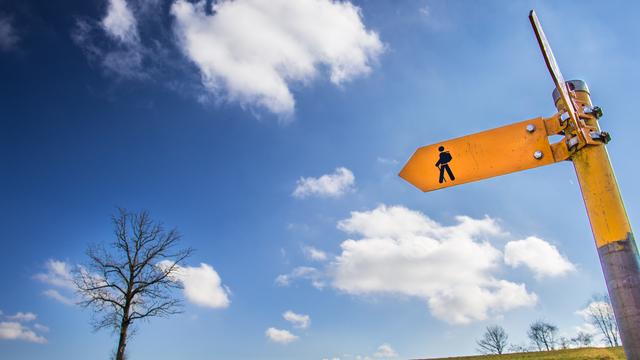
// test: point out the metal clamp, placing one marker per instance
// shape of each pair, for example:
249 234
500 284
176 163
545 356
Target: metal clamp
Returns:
601 136
596 111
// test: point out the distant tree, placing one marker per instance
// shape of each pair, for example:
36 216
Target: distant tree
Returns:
126 282
583 339
518 348
543 335
493 341
600 314
564 342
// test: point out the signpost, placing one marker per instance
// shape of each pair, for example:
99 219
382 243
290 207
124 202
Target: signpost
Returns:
525 145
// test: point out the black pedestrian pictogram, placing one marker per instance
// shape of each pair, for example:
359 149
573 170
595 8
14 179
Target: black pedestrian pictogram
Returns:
443 164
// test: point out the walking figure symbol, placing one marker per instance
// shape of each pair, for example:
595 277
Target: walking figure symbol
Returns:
443 164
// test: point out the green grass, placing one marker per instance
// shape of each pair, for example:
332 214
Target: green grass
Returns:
613 353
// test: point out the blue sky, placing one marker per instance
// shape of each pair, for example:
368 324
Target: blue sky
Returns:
146 110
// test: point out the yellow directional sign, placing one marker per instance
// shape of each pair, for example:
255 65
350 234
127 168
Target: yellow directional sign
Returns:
490 153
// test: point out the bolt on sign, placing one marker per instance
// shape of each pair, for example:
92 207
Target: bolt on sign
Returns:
525 145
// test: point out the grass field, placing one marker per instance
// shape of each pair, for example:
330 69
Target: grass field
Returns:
614 353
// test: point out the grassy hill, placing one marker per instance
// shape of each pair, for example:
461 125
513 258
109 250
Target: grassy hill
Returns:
614 353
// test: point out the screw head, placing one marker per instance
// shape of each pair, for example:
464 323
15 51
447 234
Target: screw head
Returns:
538 154
531 128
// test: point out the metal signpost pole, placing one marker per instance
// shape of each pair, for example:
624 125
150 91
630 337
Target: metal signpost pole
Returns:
611 229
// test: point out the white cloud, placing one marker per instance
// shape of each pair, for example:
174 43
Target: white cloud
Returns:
203 286
253 50
315 254
315 276
58 273
385 351
41 328
539 256
587 328
56 295
280 336
127 63
22 317
451 267
298 320
15 331
121 52
8 35
387 161
120 23
594 307
329 185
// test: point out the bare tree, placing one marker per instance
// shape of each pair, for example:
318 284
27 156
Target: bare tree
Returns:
493 341
518 348
582 339
600 314
133 278
564 342
543 335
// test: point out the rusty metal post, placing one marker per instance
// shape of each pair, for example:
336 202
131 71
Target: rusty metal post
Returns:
614 239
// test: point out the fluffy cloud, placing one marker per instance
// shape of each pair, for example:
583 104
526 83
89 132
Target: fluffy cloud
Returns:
58 273
202 286
22 317
10 330
41 328
298 320
315 276
119 23
15 329
114 41
539 256
8 36
252 50
401 251
315 254
329 185
596 307
587 328
385 351
56 295
280 336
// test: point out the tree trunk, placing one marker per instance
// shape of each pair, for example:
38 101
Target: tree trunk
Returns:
122 343
124 325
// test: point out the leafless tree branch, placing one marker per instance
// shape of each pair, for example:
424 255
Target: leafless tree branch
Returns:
543 335
493 341
601 315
